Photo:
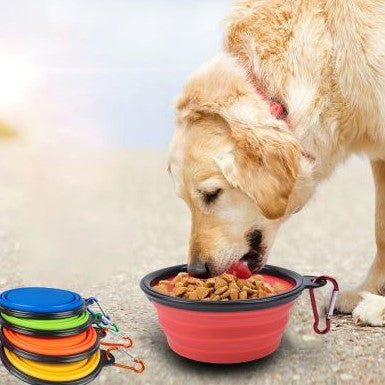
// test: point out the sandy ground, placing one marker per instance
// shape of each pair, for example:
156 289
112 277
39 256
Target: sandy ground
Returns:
97 221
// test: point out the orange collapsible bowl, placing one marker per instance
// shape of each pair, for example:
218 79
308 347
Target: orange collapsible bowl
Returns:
226 331
43 373
51 349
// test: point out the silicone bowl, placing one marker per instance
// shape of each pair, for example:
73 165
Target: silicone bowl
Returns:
41 302
37 373
48 327
51 349
226 331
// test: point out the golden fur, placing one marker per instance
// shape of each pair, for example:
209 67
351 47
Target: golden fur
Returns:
324 60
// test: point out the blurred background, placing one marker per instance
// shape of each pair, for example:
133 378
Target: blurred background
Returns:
101 72
86 112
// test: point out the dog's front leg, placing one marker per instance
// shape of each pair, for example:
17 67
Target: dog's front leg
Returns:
367 302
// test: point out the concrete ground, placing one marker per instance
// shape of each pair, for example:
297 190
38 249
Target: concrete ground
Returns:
96 221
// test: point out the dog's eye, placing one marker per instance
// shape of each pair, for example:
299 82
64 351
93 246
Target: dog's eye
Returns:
210 197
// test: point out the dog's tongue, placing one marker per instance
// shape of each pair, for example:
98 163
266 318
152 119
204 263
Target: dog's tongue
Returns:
240 270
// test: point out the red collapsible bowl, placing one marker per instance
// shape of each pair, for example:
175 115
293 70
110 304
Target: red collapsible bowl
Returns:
226 331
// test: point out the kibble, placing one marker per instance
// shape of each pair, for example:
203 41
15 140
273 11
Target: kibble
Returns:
222 288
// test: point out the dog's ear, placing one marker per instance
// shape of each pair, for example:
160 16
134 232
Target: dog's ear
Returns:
264 159
263 162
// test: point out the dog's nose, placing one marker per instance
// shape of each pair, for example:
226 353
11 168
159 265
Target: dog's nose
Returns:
254 238
198 269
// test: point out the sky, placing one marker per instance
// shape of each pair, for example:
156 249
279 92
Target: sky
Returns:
101 71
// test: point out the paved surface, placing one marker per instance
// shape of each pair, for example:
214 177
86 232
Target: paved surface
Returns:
97 221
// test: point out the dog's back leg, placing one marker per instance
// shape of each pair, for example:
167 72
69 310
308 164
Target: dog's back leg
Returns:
375 281
365 302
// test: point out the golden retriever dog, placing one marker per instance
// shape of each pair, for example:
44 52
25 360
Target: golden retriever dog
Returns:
299 87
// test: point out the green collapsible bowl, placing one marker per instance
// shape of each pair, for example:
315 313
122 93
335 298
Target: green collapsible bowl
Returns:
48 327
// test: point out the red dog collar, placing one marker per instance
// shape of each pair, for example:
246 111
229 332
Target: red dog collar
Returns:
278 110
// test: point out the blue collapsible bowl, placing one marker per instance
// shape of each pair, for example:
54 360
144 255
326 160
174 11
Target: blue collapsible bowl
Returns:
41 303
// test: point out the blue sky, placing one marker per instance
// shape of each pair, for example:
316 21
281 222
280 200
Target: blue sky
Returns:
109 69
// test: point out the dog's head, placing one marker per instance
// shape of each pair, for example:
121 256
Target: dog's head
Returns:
239 169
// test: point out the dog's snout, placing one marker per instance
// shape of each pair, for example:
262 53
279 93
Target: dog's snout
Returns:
198 269
254 238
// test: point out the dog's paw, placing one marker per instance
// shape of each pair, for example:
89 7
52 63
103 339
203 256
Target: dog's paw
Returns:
347 301
370 311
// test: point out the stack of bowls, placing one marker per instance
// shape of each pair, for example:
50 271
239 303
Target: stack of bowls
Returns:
47 337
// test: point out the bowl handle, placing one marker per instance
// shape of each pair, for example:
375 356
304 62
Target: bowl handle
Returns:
312 283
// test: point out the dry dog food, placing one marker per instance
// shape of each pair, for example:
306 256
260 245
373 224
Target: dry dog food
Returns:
222 288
